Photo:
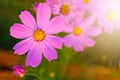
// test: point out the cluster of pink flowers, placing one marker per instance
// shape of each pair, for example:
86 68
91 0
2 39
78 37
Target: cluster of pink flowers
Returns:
69 16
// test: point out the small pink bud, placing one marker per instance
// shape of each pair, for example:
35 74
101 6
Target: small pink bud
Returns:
19 70
35 6
119 64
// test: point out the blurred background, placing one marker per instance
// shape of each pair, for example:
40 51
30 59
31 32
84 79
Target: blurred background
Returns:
100 62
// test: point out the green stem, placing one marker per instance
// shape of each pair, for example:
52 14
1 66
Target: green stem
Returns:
33 75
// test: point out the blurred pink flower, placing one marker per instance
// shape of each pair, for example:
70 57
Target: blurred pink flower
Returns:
80 34
19 70
66 8
119 64
108 14
86 4
38 35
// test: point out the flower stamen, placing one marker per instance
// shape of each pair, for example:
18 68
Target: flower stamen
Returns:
38 35
86 1
65 9
110 15
77 31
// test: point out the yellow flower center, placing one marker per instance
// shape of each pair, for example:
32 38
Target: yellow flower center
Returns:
110 15
65 9
77 31
38 35
86 1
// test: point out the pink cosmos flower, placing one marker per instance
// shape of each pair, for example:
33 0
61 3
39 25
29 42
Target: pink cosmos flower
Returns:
86 4
19 70
119 64
38 35
80 34
66 8
108 14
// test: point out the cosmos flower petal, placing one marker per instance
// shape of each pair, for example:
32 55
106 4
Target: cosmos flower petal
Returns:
23 46
78 14
65 2
34 56
77 45
88 41
102 8
68 40
20 31
54 6
52 2
55 41
88 22
56 25
113 4
95 31
108 28
27 19
49 52
68 27
43 14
